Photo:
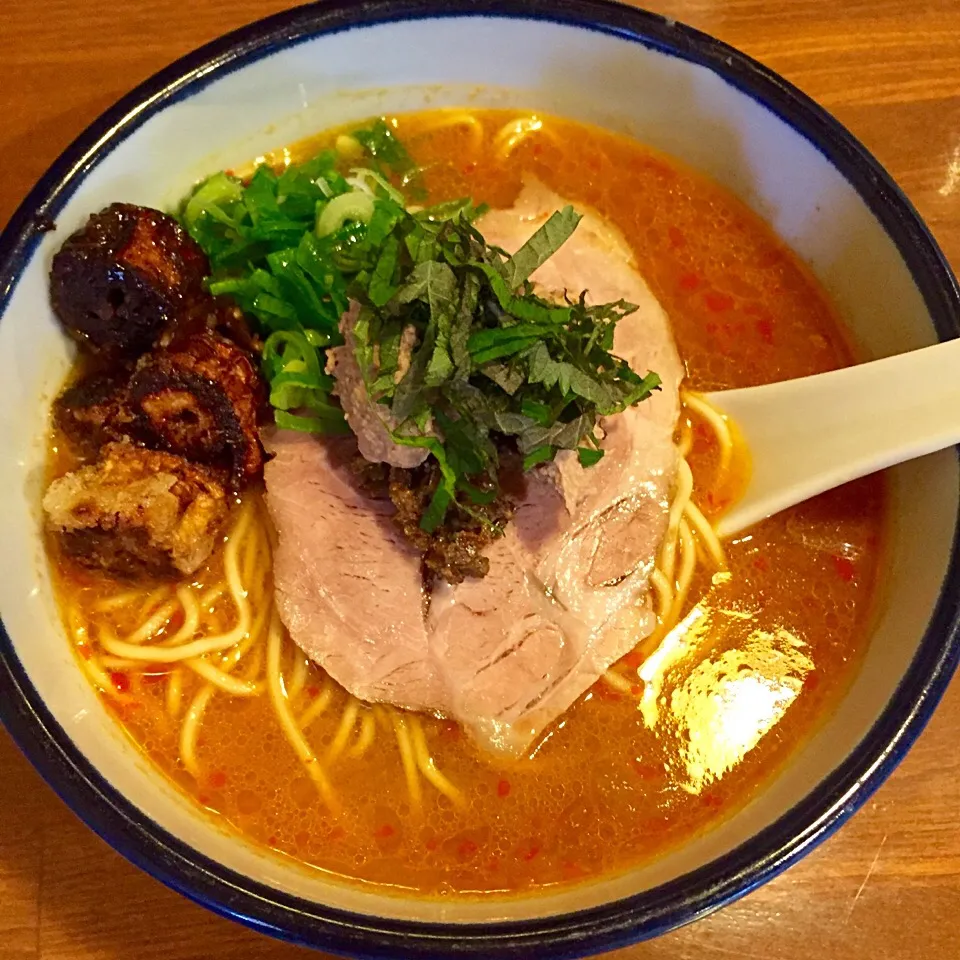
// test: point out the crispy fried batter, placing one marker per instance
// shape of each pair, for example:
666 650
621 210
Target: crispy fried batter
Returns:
138 512
201 398
124 278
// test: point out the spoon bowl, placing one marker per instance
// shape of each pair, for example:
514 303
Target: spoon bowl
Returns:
812 434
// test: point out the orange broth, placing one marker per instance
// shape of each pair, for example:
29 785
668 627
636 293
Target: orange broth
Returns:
620 778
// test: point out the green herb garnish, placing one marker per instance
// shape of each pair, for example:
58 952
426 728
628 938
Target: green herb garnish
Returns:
388 153
481 355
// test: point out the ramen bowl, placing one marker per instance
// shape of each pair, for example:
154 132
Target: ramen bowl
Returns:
660 82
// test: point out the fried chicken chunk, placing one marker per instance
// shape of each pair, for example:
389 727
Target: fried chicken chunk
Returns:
138 512
124 278
201 398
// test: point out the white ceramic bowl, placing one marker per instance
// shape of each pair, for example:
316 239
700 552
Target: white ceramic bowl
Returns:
659 81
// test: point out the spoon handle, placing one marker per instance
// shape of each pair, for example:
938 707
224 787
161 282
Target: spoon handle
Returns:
809 435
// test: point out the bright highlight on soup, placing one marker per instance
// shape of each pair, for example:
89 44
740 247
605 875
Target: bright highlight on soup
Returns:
477 634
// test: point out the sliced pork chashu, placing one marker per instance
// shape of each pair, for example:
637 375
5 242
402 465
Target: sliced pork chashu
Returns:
567 591
348 584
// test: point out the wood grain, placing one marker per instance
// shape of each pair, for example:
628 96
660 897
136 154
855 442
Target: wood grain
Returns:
887 886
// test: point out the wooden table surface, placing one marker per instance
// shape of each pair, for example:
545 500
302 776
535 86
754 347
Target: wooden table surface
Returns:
888 886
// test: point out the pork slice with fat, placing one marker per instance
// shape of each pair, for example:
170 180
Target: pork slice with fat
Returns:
348 584
568 590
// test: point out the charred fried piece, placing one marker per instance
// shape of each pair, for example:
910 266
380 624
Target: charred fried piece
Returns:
215 315
138 512
453 551
124 278
201 398
96 410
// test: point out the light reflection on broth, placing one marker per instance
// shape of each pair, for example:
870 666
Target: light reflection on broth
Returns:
728 702
641 762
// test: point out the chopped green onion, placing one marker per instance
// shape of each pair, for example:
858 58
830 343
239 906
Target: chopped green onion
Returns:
364 173
325 425
354 207
212 193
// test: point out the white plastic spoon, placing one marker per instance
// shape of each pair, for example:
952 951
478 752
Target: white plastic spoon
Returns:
809 435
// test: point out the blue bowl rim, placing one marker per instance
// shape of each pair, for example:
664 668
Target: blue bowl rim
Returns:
583 932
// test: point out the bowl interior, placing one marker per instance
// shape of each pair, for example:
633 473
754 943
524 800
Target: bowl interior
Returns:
661 99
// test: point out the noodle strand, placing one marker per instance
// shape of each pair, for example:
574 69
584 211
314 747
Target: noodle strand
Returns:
513 133
368 728
457 118
680 498
191 617
618 682
347 721
223 680
287 723
320 704
190 729
153 599
299 678
152 626
407 757
117 600
174 694
428 768
706 534
690 539
721 429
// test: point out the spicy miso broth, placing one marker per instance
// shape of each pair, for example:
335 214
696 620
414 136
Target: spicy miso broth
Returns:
696 723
